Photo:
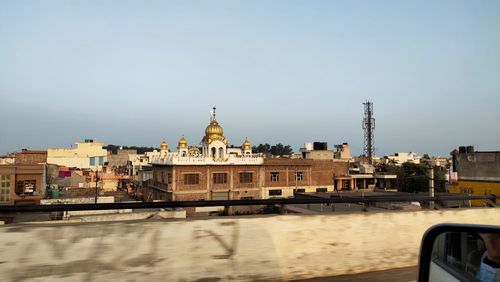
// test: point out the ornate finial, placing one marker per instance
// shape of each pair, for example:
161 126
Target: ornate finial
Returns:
212 113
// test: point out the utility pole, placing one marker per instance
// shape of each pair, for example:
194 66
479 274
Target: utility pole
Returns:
296 179
96 188
431 186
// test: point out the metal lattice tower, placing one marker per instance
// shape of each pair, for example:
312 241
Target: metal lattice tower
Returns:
369 127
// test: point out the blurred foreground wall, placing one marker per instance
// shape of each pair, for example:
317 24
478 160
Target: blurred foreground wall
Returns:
223 249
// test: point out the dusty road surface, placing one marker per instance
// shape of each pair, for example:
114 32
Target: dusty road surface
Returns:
405 274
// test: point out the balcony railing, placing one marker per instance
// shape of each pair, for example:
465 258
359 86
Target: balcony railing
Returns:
203 160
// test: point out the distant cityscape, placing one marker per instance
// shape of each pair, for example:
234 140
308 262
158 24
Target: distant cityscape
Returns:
216 170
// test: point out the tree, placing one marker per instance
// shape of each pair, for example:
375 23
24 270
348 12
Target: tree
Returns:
413 178
275 150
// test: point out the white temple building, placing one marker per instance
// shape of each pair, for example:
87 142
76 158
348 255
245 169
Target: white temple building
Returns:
213 150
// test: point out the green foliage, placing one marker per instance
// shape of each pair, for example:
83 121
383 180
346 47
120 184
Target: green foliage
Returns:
439 180
275 150
412 178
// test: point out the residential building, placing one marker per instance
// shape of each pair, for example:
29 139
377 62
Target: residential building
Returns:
86 155
476 173
120 158
9 158
343 152
26 156
316 151
363 176
403 157
22 183
139 167
437 161
24 180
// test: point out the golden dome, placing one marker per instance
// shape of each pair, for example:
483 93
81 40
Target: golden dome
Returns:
214 132
214 129
183 144
246 145
164 145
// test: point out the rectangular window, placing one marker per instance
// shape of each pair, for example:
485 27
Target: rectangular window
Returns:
220 178
101 160
275 176
4 188
169 178
246 198
300 190
246 177
275 192
299 176
92 161
26 187
321 190
191 179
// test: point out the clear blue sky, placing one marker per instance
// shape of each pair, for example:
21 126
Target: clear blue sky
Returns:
135 72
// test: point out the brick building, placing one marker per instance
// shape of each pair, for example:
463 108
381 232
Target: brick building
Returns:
274 178
23 181
218 172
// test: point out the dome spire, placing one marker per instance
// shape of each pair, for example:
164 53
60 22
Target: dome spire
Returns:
212 113
213 131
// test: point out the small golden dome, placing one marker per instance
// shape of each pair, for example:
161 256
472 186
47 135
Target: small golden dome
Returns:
164 145
183 144
246 145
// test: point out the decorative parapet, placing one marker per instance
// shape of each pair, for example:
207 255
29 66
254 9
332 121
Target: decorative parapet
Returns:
202 160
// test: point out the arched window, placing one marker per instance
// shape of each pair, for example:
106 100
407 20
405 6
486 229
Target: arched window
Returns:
221 152
214 151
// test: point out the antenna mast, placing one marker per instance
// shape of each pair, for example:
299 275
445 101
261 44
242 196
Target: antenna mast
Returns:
369 128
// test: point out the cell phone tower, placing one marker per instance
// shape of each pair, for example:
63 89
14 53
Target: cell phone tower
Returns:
369 127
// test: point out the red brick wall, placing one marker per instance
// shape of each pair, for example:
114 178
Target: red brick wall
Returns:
190 197
202 171
236 195
31 157
255 176
318 172
315 173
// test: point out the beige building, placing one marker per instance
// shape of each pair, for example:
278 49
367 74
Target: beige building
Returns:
22 183
403 157
88 154
7 159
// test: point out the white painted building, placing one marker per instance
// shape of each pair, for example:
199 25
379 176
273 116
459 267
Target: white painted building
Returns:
403 157
213 150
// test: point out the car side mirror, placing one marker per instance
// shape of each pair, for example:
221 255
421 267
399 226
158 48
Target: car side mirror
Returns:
458 252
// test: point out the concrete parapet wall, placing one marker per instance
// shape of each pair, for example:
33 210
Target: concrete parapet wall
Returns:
81 200
223 249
